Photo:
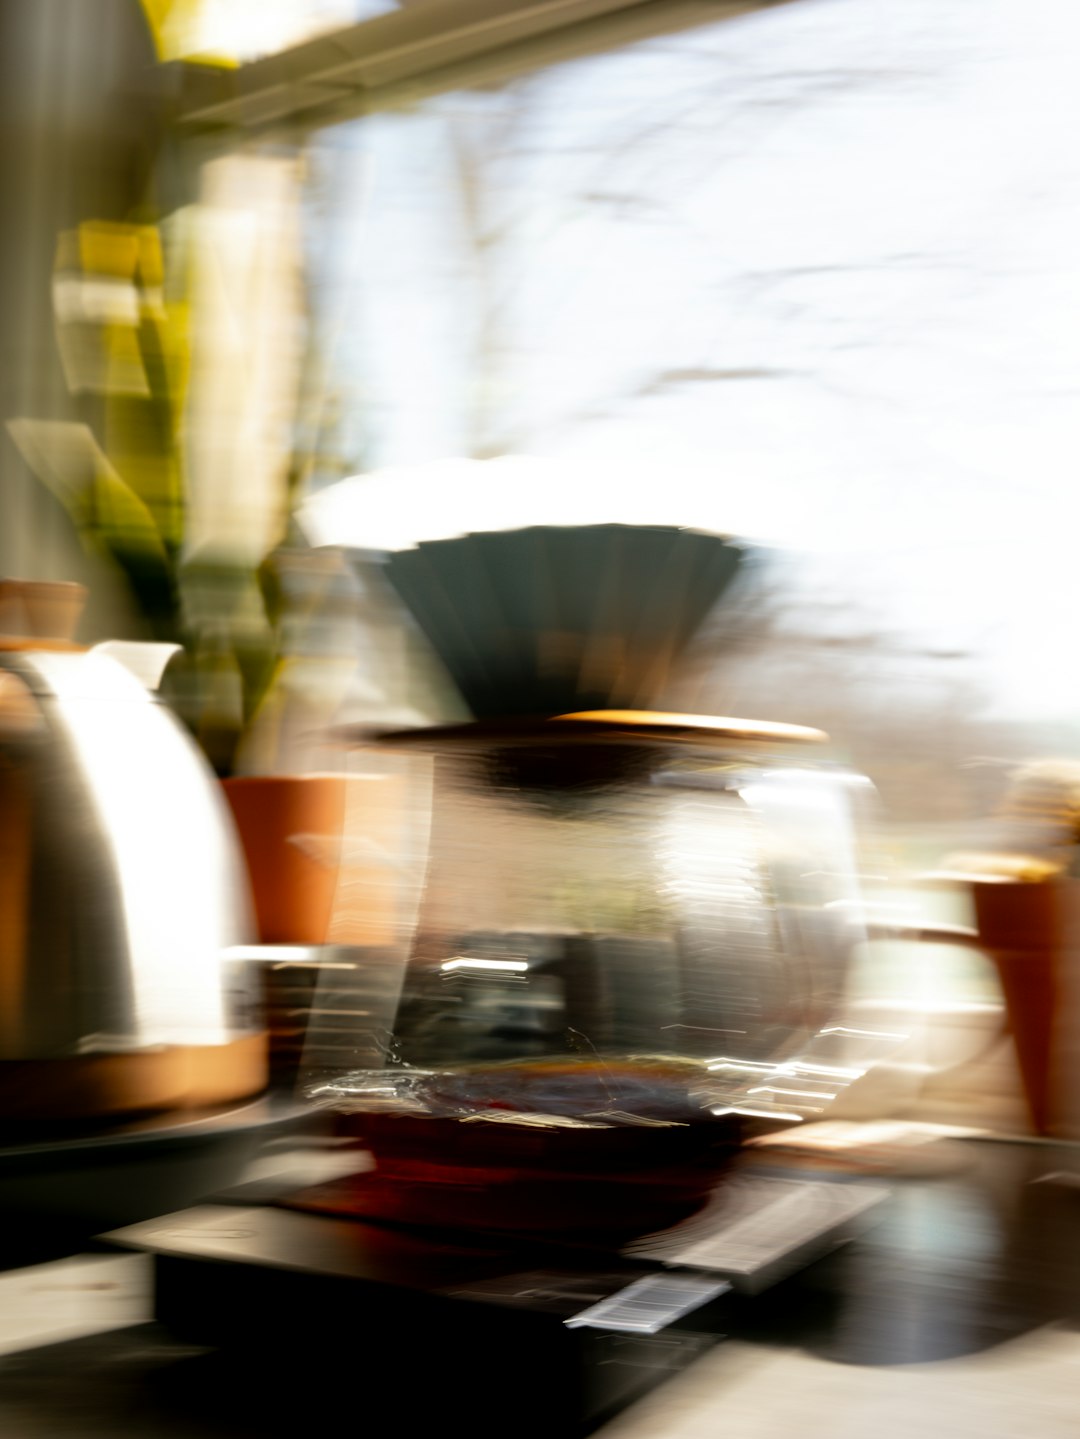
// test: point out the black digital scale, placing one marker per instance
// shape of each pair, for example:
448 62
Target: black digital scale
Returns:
437 1327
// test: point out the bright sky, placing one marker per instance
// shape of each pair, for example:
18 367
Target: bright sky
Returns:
813 274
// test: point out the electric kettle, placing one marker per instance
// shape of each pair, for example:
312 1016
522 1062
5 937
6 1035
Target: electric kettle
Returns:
122 896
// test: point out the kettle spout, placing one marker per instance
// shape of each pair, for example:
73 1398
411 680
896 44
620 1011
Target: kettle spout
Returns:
145 660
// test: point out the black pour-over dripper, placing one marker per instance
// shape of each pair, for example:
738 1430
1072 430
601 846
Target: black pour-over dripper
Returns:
556 619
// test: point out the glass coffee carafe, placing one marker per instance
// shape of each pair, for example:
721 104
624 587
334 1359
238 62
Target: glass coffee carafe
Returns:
631 940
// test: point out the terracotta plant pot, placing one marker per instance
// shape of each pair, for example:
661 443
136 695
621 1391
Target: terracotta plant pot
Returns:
283 822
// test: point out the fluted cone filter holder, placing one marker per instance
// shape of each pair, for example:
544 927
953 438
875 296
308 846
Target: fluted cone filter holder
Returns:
554 619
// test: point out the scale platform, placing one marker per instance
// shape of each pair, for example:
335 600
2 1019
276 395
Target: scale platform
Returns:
545 1337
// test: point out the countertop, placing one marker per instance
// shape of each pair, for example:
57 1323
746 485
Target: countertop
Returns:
957 1313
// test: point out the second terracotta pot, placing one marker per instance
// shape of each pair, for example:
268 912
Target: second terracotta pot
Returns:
1022 926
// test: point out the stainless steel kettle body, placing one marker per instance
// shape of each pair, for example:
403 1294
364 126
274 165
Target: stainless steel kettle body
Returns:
122 889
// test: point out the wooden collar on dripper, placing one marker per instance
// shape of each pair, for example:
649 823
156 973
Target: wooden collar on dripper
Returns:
590 749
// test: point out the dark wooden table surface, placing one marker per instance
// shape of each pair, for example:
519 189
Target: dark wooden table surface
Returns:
958 1312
